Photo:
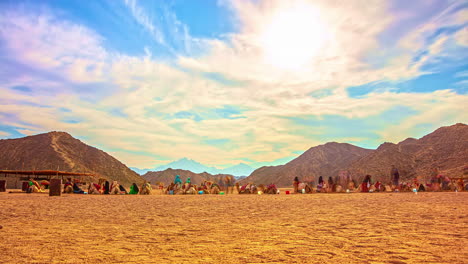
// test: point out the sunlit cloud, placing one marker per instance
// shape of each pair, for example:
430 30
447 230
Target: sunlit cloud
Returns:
260 94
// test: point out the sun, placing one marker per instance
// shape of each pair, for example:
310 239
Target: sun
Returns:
293 36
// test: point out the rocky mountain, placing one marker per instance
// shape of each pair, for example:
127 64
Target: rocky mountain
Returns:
60 151
445 148
240 169
167 176
323 160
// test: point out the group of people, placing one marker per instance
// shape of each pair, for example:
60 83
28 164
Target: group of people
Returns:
224 185
438 182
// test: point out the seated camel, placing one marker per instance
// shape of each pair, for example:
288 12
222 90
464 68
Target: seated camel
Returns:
271 189
249 188
339 188
35 187
115 188
96 188
173 188
214 189
146 189
68 189
191 190
303 188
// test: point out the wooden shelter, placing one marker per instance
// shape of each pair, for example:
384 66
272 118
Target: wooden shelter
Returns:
14 178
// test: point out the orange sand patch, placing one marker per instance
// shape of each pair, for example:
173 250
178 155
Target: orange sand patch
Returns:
314 228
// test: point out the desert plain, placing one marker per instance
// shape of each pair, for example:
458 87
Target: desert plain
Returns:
300 228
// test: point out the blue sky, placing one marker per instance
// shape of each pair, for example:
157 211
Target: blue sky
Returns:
224 82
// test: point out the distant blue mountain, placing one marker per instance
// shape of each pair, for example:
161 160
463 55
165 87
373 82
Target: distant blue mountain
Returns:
240 169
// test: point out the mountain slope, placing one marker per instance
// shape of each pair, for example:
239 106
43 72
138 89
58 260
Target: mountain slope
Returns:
324 160
167 176
60 151
240 169
445 148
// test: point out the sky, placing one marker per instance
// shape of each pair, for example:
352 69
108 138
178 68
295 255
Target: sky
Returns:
227 82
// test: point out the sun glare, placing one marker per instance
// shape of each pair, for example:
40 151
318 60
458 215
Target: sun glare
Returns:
293 37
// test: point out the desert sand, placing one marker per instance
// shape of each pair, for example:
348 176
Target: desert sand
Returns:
311 228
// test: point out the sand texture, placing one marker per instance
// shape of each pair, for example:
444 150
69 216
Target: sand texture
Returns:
313 228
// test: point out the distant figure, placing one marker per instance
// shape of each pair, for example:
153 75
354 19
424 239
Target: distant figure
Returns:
77 189
161 187
435 185
331 185
107 187
460 184
366 184
320 184
178 181
122 189
296 184
395 177
229 181
134 189
33 186
188 184
68 186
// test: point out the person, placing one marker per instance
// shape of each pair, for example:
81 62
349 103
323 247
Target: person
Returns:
366 183
395 177
378 186
33 186
122 189
77 189
68 186
178 181
320 184
296 184
460 184
161 187
331 185
107 187
435 179
134 189
188 184
229 180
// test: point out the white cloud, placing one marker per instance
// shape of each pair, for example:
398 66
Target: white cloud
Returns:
146 91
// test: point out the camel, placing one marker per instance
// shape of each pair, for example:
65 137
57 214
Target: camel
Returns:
214 189
303 188
191 190
115 188
35 187
270 189
68 189
174 188
339 188
96 188
145 189
249 188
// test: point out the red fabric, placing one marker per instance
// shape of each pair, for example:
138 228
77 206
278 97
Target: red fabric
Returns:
364 187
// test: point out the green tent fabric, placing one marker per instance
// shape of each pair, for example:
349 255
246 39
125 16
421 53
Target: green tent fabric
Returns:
177 180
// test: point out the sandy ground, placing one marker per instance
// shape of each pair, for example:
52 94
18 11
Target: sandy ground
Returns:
311 228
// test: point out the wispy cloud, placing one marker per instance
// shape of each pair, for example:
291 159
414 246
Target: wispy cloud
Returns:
219 100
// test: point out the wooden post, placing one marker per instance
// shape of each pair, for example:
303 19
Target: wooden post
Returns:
55 187
3 186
